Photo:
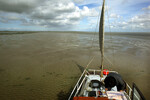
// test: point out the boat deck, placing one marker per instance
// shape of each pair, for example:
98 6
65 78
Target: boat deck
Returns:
82 89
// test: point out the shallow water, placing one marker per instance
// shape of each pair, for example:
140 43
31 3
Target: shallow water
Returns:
41 65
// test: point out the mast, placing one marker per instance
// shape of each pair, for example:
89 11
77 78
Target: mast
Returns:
101 36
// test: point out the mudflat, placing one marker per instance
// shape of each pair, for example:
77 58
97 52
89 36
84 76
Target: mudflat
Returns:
44 65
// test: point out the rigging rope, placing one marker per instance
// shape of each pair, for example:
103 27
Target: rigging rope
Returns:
111 39
89 62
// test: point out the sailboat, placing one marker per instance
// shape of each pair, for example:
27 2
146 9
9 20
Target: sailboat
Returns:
96 84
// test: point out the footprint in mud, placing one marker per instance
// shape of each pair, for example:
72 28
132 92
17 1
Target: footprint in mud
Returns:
58 75
43 75
19 77
18 85
50 73
142 71
1 70
31 90
27 78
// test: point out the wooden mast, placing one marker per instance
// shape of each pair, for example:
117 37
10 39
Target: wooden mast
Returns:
101 36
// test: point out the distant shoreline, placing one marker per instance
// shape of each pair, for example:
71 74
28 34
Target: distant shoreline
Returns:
107 33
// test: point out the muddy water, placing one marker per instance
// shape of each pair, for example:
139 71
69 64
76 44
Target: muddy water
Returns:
38 66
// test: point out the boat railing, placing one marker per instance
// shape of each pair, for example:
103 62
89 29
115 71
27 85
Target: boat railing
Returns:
128 91
78 84
93 71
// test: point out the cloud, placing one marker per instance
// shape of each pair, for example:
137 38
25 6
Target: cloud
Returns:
146 8
48 13
18 6
11 17
61 14
135 23
141 21
132 21
57 15
89 12
113 15
78 1
73 14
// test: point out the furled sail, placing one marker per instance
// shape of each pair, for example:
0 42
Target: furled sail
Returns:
101 35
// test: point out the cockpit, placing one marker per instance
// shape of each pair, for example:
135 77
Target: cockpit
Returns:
96 88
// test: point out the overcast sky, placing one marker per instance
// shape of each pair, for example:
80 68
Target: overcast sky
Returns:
74 15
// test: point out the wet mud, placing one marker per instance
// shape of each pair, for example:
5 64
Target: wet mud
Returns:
45 65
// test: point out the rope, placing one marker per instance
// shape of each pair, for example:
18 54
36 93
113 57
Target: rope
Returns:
111 39
108 60
93 41
89 62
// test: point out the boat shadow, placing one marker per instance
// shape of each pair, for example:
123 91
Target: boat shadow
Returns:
64 95
81 68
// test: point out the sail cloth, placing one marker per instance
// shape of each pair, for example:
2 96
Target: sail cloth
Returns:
101 34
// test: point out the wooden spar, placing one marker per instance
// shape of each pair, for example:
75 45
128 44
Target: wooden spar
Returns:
101 36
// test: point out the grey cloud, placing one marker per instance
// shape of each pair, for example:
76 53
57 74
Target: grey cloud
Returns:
78 1
11 17
47 13
51 25
18 6
57 15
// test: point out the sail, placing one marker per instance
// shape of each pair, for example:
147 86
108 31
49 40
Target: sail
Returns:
101 34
